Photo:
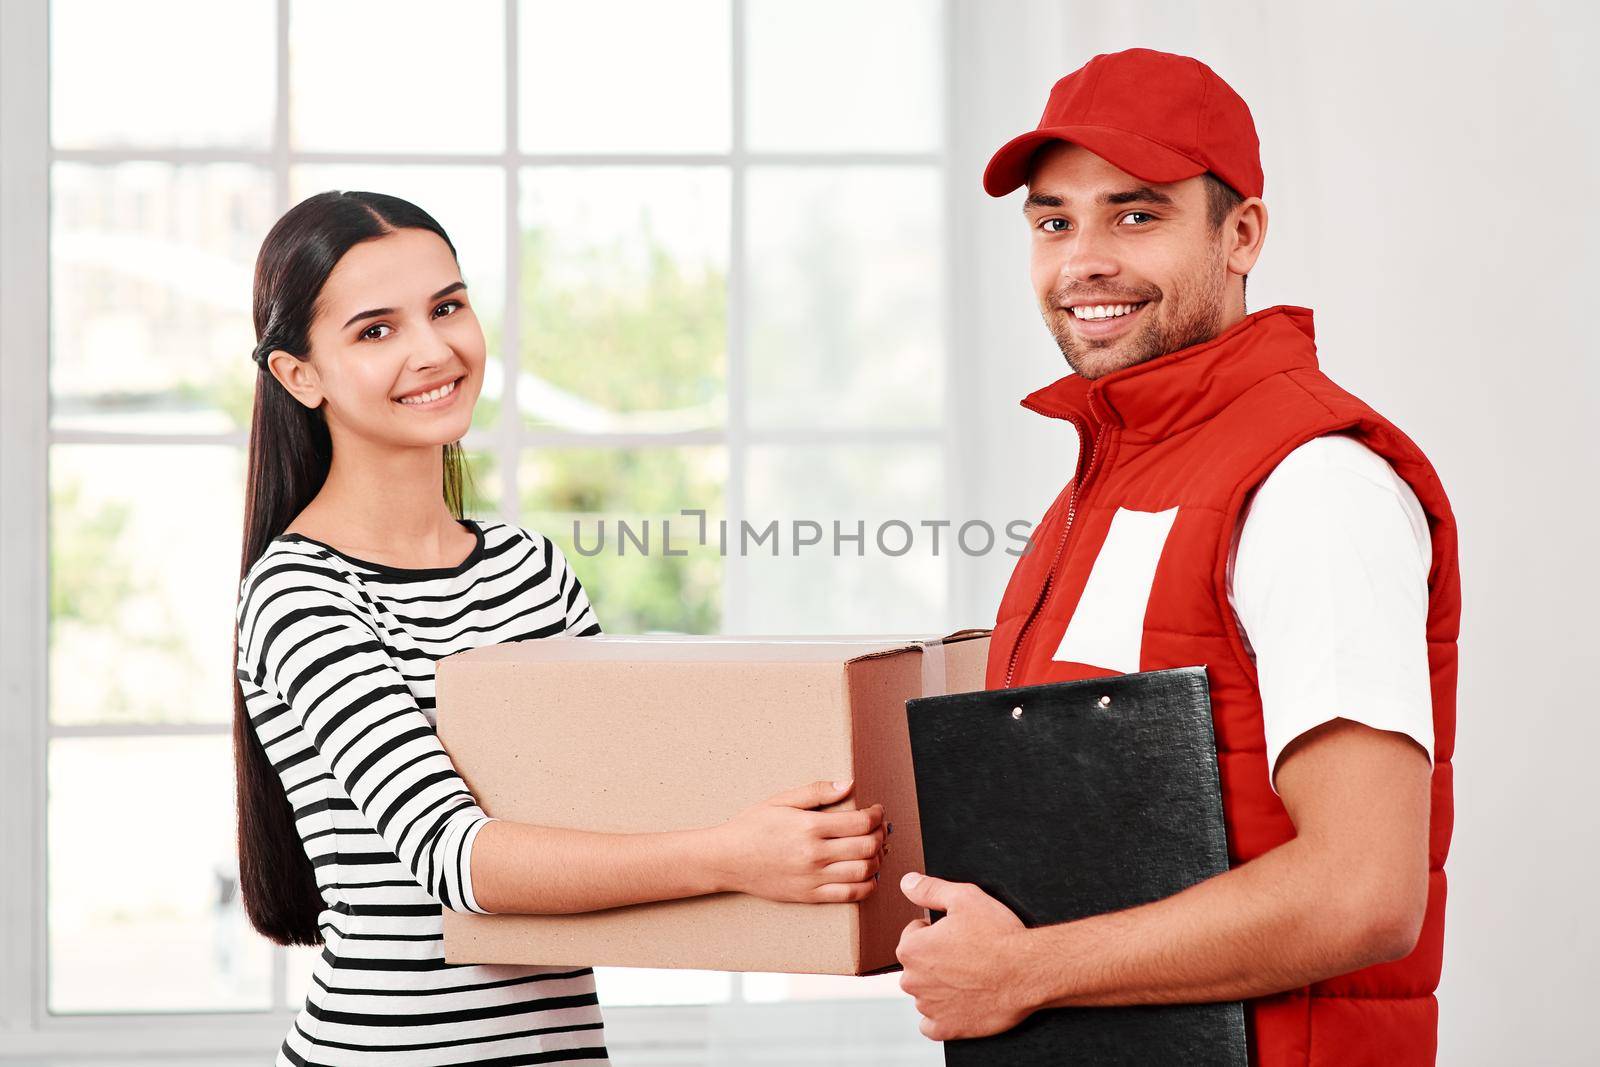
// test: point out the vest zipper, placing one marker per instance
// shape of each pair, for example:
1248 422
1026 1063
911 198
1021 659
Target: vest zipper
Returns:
1061 546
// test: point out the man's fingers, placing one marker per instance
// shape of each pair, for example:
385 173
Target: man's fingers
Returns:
925 891
813 794
900 950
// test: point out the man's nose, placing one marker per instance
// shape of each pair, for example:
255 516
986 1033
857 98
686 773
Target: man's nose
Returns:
1089 257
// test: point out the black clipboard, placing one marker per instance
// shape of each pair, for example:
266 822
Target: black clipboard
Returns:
1069 800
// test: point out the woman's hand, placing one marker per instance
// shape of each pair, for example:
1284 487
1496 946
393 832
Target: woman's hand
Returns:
783 849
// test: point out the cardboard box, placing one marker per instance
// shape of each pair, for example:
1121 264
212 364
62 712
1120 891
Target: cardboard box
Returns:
632 734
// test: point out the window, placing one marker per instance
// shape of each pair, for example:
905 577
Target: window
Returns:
707 242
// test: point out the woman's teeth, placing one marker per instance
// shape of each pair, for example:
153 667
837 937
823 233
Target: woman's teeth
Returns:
1104 311
433 394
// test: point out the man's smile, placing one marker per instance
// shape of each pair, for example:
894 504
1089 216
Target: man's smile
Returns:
1104 320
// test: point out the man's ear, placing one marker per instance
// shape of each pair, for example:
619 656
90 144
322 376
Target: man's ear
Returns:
298 376
1246 233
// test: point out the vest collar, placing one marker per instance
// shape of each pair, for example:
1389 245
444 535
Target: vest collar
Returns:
1171 393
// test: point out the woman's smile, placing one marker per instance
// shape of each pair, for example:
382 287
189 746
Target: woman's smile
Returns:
432 398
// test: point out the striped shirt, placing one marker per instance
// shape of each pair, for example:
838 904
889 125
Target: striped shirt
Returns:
336 660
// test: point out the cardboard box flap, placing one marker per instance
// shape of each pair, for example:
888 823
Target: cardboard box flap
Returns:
613 648
922 642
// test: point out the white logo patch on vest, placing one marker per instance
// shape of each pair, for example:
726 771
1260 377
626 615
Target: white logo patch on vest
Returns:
1107 629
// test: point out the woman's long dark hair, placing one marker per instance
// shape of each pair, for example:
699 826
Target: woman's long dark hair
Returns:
290 452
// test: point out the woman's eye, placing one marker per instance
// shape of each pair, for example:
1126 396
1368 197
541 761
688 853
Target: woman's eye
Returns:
1053 225
369 333
453 305
1138 214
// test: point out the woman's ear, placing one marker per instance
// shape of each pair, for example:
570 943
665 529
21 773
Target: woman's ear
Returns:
296 375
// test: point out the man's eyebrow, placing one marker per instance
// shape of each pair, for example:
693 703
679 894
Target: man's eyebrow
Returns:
1142 195
453 287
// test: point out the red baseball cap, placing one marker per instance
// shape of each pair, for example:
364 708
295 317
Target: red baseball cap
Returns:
1160 117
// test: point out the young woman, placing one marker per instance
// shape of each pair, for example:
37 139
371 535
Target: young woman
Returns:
359 572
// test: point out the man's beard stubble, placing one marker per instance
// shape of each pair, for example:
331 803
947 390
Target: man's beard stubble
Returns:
1184 323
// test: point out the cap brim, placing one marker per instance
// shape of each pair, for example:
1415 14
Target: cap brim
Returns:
1139 156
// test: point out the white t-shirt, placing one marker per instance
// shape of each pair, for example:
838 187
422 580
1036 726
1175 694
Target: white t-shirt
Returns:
1328 578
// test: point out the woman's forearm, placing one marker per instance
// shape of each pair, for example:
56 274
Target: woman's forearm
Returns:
525 869
782 848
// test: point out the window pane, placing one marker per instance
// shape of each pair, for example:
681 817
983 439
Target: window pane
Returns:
897 586
144 908
836 75
470 203
761 988
144 575
127 74
634 585
150 301
298 962
620 986
624 297
484 487
846 291
626 76
397 76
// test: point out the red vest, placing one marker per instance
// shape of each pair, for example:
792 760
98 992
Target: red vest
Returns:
1197 430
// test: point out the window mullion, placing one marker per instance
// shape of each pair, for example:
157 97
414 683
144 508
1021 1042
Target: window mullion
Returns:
280 120
509 432
24 411
278 980
735 617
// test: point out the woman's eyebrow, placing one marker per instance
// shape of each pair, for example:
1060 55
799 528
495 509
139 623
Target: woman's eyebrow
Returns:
453 287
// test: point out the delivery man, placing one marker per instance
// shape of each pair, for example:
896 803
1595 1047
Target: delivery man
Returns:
1231 507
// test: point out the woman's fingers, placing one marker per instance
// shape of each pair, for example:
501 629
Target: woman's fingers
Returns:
850 870
843 892
813 794
853 848
849 823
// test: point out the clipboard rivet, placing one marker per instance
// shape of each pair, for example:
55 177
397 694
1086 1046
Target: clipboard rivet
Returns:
1016 713
1105 702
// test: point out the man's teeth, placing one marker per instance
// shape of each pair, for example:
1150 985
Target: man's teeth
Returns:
433 394
1104 311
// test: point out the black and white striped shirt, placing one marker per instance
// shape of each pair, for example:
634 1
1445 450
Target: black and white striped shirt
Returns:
336 660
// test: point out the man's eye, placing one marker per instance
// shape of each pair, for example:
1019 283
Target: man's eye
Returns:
453 305
1138 215
1053 225
367 334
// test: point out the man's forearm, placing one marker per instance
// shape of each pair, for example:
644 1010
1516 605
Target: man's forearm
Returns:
1278 922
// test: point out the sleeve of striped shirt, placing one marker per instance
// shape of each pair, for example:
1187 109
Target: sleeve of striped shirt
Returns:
309 645
581 619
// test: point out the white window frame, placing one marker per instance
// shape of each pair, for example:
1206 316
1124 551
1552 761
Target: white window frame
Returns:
28 1032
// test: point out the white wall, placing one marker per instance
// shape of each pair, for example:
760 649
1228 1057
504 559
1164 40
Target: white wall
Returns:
1431 173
